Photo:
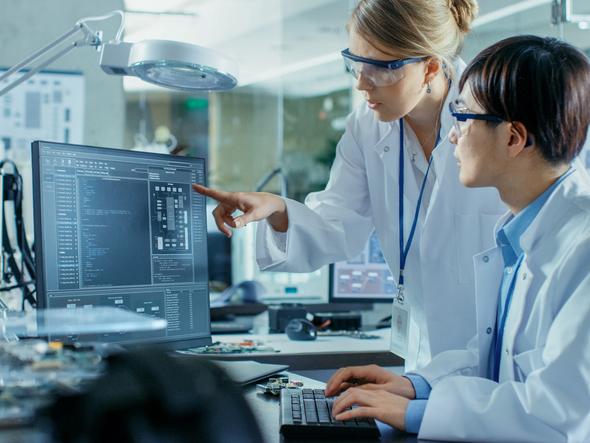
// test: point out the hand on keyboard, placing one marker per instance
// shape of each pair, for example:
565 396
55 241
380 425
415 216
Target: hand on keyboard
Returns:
382 405
307 412
371 377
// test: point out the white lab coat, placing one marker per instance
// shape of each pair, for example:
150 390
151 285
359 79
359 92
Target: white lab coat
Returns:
362 195
544 389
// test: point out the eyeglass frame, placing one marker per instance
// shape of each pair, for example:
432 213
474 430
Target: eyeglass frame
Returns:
390 64
464 116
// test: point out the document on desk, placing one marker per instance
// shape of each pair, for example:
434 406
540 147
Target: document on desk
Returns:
246 372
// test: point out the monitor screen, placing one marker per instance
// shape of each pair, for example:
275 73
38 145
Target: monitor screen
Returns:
366 278
122 228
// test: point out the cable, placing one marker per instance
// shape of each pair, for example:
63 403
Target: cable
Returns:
20 285
82 22
13 190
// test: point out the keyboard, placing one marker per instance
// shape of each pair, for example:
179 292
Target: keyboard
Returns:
307 412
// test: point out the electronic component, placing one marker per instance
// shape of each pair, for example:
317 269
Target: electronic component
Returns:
34 371
243 347
274 385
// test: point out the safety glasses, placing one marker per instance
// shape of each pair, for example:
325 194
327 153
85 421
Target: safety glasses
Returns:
377 72
460 117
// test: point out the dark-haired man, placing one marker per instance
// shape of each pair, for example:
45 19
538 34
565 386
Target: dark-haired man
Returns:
521 120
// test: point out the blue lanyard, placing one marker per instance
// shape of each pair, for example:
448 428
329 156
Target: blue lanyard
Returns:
405 249
500 326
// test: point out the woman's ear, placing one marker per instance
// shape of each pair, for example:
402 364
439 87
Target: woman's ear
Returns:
433 66
519 139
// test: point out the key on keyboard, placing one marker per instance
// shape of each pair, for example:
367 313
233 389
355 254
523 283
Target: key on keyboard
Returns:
307 412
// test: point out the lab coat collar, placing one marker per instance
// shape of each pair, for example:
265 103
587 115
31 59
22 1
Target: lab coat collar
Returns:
551 216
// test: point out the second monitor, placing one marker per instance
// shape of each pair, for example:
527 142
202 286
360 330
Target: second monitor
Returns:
366 278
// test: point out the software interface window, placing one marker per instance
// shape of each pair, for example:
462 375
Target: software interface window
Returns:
124 229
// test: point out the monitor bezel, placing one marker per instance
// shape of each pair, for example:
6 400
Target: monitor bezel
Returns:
333 299
168 343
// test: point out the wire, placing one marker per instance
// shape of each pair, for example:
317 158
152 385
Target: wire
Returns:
99 18
20 285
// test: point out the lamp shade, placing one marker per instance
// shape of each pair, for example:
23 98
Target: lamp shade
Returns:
170 64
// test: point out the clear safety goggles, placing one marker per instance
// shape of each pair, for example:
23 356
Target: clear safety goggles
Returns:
462 115
377 72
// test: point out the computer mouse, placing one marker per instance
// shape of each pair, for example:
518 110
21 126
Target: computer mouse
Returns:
301 329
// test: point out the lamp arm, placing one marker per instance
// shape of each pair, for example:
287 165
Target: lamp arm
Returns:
91 38
34 56
37 68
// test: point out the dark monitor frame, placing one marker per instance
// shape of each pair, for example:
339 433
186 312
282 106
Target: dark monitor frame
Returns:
364 300
166 343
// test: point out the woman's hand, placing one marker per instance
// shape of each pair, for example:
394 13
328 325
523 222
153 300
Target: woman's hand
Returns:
369 378
381 405
254 205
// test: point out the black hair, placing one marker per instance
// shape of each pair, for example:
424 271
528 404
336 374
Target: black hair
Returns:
542 82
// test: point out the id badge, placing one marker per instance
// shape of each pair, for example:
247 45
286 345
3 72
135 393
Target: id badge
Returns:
400 327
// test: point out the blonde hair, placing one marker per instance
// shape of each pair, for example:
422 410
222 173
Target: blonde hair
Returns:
416 28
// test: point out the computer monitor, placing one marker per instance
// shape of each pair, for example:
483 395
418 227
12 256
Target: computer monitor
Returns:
364 279
122 228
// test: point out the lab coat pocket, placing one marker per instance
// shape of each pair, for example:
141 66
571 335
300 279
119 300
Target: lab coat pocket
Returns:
474 233
527 362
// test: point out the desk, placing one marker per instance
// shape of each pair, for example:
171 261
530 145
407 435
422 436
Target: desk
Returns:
323 353
266 411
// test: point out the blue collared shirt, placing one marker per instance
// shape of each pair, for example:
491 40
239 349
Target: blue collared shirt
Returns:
416 408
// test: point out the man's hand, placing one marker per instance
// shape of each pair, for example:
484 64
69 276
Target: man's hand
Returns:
371 377
381 405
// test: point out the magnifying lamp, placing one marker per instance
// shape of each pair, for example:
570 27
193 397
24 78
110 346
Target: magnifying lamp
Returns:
165 63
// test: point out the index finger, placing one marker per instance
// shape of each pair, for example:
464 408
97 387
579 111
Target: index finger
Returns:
341 376
220 196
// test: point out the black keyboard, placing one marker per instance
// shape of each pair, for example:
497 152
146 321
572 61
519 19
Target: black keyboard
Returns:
307 412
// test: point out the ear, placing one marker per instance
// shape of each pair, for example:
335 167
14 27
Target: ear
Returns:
518 139
433 66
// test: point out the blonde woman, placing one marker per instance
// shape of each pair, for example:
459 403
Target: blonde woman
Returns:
394 173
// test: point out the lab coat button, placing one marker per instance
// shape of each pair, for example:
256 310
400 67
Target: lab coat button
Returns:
507 352
386 148
524 276
486 259
489 330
